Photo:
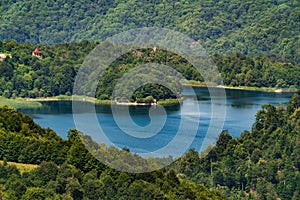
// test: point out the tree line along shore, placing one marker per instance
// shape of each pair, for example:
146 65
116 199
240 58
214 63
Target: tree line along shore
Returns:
41 72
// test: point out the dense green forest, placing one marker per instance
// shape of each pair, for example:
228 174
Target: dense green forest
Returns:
254 27
254 43
263 163
242 70
68 171
24 75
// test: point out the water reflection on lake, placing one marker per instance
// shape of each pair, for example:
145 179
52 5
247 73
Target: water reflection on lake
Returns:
241 107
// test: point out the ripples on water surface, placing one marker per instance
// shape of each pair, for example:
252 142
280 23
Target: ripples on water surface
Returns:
241 107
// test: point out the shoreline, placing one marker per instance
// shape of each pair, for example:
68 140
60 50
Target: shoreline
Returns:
102 102
69 98
246 88
162 102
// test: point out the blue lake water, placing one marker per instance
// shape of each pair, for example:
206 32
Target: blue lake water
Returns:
162 130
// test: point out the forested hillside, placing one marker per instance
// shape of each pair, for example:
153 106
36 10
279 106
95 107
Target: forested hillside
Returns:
254 27
254 43
262 164
68 171
24 75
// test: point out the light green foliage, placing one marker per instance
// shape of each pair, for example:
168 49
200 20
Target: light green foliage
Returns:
37 193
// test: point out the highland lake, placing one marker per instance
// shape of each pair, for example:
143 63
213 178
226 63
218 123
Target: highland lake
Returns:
240 106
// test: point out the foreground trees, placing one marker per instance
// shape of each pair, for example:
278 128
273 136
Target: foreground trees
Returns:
67 170
263 163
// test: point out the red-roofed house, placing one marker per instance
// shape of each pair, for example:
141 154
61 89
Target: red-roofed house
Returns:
37 53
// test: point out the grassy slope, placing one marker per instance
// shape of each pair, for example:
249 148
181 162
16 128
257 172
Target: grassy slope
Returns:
19 103
22 167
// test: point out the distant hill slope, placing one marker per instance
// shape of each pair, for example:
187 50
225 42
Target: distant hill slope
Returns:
268 27
55 73
24 75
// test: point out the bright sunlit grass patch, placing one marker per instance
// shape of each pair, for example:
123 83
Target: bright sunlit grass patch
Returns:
19 103
22 167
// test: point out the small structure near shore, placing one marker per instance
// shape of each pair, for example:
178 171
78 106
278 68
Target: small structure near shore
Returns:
37 53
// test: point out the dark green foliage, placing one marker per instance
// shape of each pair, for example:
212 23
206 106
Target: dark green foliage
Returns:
21 140
242 70
55 73
294 103
141 190
251 27
263 162
68 171
46 172
133 59
24 75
